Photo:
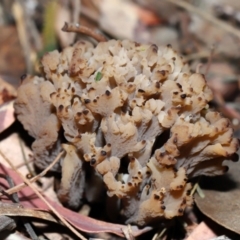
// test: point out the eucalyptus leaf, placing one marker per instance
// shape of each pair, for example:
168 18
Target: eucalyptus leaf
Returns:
222 198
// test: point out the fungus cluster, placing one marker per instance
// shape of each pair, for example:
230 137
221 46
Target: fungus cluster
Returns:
132 119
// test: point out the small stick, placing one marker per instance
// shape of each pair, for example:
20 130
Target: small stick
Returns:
75 27
43 199
23 163
210 60
31 171
18 13
35 178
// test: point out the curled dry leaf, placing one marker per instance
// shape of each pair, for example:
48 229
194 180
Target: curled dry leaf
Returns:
7 92
86 224
221 202
20 211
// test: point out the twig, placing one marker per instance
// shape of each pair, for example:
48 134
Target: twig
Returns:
35 178
75 27
18 13
25 158
128 232
159 235
209 62
189 7
200 192
197 55
15 199
24 163
43 199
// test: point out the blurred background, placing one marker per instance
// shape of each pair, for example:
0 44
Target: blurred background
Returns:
206 32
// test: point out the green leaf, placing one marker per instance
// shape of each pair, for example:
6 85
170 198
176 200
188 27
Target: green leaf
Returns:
98 76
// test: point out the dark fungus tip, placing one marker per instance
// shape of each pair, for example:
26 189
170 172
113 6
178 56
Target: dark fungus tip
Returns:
108 93
163 207
179 85
60 108
183 96
79 114
180 210
86 101
129 184
51 94
156 197
163 72
154 47
103 153
162 154
85 112
93 161
157 85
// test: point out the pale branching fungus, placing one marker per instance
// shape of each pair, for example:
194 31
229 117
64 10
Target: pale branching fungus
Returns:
129 116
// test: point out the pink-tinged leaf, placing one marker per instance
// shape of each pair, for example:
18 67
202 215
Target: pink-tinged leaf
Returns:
29 199
202 232
6 115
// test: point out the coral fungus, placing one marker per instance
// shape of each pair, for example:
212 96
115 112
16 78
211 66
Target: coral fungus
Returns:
135 116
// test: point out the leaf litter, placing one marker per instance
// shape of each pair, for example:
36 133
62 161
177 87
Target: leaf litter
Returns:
219 204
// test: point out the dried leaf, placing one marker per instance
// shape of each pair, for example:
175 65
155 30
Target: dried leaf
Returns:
26 212
7 92
221 202
6 115
201 232
86 224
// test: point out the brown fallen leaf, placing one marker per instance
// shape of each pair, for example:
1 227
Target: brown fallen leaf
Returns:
221 202
25 212
202 232
29 199
11 55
